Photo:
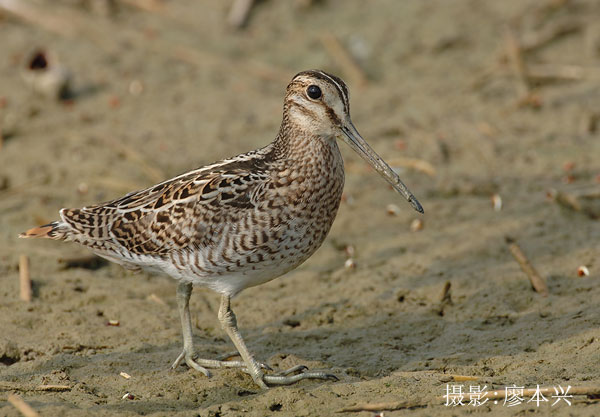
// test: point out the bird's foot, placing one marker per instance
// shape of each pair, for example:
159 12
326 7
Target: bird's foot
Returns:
201 365
225 358
290 376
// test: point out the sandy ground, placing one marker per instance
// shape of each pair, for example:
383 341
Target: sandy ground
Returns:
156 94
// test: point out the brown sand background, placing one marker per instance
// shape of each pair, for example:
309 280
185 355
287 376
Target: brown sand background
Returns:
439 89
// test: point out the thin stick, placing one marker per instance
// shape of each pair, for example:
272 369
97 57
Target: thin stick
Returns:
156 299
544 72
536 40
530 43
53 387
445 298
343 59
24 278
566 200
37 17
538 283
28 387
419 165
239 13
489 395
578 200
444 377
550 72
22 406
515 56
461 378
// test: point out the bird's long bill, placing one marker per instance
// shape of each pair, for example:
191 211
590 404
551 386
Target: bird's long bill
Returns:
361 147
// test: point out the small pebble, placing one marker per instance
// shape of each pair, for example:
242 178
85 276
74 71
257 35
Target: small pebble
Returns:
392 209
136 88
416 225
583 271
82 188
350 264
497 202
113 323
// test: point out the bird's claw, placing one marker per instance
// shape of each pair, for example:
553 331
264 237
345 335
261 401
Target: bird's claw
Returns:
291 376
191 362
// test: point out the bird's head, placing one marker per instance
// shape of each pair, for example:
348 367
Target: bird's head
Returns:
318 104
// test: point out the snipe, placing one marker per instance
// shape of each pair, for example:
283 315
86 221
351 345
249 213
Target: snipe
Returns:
239 222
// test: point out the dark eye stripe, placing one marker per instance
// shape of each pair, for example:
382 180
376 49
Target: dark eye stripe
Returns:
332 79
340 86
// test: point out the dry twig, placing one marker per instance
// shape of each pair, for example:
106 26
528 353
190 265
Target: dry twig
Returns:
13 386
515 50
515 57
462 378
239 13
586 201
53 387
549 72
419 165
156 299
22 406
31 14
536 40
538 283
24 278
445 299
343 59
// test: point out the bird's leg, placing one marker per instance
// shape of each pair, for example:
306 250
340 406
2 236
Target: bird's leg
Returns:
229 323
184 291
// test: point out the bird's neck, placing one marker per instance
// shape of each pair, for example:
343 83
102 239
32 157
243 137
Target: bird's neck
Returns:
296 142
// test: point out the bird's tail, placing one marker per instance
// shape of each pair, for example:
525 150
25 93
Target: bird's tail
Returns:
54 230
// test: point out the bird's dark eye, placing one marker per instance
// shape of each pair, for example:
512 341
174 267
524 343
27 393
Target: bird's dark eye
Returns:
314 92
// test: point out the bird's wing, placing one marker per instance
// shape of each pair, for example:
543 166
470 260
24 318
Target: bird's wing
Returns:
187 211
